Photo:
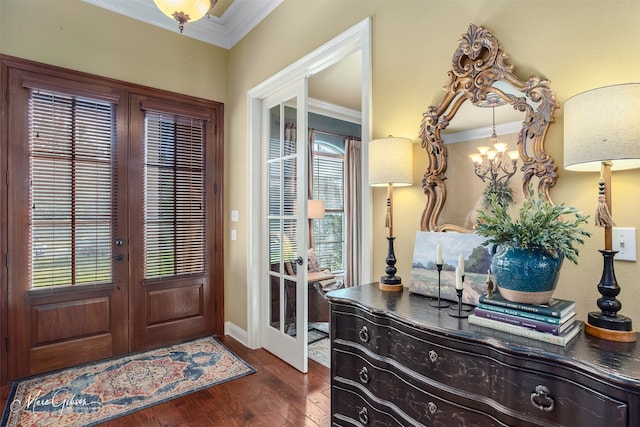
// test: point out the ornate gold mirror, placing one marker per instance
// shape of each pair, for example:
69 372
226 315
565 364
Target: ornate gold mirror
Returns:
481 80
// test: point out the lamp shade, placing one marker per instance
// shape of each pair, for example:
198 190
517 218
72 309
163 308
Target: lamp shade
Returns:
603 124
391 162
315 209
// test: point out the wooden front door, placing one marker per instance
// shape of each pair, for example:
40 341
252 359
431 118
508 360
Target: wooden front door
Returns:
171 245
67 276
111 223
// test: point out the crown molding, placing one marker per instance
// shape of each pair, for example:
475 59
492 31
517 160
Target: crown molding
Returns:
334 111
236 22
485 132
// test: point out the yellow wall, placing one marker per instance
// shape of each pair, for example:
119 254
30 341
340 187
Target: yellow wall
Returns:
578 45
79 36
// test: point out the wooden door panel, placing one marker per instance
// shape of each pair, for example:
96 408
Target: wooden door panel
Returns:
171 312
68 320
68 329
174 304
71 352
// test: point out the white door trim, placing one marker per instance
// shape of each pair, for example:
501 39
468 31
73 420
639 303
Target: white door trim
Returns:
357 38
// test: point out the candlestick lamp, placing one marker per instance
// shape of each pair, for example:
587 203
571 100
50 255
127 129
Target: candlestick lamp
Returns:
390 164
601 134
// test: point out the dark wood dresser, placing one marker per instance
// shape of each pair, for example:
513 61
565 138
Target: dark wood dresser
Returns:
397 361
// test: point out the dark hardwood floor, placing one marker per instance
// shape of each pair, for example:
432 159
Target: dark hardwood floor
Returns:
275 395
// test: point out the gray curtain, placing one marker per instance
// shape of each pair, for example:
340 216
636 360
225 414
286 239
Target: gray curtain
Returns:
310 182
353 210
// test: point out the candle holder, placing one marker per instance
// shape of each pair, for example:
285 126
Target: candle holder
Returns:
459 313
460 306
439 303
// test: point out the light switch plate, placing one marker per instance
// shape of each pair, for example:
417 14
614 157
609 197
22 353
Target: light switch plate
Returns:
234 215
624 241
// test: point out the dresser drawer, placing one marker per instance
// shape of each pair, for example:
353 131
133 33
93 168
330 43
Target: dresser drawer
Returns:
351 408
501 383
411 401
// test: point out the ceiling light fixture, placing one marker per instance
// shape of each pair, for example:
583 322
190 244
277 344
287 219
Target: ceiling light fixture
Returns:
185 11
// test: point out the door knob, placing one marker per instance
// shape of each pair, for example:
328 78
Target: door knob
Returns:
299 260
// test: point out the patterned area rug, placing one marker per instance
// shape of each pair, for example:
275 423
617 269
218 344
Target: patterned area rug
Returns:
316 335
320 352
91 394
318 344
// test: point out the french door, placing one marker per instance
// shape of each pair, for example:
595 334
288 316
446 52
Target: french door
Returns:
111 212
284 277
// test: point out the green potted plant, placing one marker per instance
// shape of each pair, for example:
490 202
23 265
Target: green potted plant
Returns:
530 249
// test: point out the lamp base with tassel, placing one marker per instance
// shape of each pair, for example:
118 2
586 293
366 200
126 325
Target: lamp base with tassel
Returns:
608 324
390 282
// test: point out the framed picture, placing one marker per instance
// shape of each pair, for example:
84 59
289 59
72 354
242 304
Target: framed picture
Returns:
424 273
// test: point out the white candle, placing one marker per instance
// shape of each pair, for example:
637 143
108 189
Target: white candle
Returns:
439 254
458 278
461 264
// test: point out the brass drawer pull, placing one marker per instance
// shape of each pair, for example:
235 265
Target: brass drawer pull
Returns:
541 399
363 415
433 356
364 334
364 375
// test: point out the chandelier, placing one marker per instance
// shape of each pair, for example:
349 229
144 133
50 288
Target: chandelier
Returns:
185 11
495 165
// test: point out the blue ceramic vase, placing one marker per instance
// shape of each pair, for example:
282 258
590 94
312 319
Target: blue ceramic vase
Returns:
526 275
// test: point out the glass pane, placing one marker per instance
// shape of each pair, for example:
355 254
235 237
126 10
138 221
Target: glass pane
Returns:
290 192
290 131
328 180
328 185
275 245
274 297
290 307
289 248
274 187
275 135
72 187
329 240
175 192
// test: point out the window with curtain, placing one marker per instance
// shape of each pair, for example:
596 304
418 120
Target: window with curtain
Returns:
328 185
175 220
71 153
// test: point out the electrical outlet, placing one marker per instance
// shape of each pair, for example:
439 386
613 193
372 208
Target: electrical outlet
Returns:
234 234
624 241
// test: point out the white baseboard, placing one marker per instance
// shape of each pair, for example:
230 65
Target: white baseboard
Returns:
236 333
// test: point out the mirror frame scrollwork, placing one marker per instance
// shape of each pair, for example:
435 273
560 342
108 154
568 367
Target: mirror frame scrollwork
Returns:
477 64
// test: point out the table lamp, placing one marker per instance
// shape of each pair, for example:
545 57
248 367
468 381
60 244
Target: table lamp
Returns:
315 209
601 134
390 164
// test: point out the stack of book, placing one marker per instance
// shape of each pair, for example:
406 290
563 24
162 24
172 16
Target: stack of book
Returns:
554 322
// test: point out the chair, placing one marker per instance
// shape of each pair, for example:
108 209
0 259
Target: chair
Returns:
319 308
